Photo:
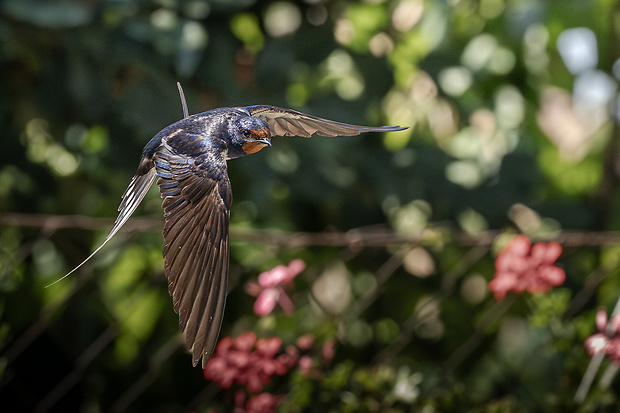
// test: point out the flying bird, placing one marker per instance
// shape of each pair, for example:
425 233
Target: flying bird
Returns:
188 160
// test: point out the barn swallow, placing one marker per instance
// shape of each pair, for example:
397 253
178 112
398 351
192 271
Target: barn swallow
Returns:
188 159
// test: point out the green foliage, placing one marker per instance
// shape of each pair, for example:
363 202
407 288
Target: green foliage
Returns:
399 232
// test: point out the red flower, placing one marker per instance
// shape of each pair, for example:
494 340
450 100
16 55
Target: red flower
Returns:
305 342
269 291
263 403
290 357
328 351
607 340
236 362
523 267
305 365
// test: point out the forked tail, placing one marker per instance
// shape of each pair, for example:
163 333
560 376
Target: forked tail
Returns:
135 192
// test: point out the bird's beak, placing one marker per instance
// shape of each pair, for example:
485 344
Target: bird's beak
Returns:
255 145
264 141
263 135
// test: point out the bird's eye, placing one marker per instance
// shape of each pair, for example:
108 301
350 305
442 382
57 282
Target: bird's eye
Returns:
247 133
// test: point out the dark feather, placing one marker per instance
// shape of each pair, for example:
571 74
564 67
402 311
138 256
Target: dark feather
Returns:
196 242
289 122
189 157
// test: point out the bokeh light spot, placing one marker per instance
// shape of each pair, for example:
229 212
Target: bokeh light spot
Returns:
282 18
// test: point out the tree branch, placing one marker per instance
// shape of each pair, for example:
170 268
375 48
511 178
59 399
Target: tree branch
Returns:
361 237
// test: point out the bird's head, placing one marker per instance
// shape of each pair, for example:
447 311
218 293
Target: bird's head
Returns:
249 135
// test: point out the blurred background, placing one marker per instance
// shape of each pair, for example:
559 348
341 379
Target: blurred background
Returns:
511 107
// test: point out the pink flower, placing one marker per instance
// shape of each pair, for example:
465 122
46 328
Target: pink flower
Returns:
263 403
305 342
290 357
269 290
523 267
328 351
607 340
236 362
305 365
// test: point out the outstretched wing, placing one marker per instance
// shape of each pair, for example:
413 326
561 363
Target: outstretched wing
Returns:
288 122
197 198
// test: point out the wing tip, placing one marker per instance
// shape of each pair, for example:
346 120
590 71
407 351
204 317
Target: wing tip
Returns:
196 358
201 353
395 128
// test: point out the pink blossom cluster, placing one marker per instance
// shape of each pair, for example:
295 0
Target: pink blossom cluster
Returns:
307 365
269 288
248 362
607 340
522 266
251 363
